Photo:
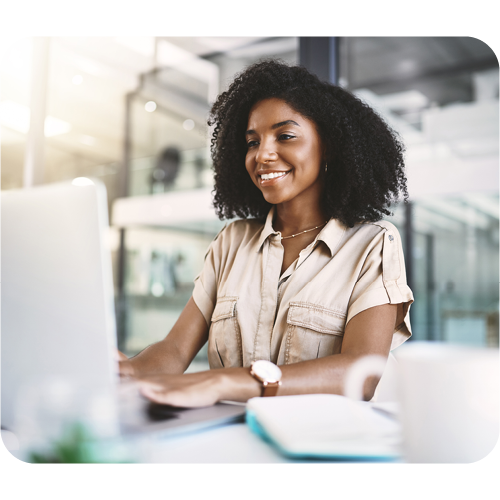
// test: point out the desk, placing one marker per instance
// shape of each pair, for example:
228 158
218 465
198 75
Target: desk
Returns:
227 444
234 443
223 444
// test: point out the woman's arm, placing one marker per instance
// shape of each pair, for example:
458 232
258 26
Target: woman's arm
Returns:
369 332
175 352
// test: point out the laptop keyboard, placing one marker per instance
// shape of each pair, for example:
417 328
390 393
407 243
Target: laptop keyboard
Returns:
158 412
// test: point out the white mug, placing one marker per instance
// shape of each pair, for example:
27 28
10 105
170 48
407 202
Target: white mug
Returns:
449 401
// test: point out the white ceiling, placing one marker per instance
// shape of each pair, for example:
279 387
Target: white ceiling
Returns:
92 105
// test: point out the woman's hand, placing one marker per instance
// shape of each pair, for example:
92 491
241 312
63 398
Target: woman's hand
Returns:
120 356
125 368
188 390
202 388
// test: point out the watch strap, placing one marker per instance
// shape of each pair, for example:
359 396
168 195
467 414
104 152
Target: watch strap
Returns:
270 389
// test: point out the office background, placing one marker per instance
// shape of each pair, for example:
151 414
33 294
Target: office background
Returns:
132 112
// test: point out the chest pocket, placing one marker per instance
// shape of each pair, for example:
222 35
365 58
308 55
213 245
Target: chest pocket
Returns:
312 332
224 340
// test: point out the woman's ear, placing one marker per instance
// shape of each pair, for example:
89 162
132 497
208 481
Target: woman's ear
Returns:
323 153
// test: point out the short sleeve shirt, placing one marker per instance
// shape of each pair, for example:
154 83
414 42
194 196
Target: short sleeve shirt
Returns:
255 312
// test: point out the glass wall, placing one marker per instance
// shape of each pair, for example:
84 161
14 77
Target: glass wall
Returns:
132 111
456 268
441 95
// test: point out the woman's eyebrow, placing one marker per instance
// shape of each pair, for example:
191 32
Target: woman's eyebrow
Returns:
286 122
276 125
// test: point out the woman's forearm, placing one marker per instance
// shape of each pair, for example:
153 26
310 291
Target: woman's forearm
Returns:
161 357
319 376
325 375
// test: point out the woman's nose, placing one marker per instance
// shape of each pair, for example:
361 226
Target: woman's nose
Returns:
266 152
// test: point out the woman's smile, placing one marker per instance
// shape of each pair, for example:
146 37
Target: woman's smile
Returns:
271 178
284 153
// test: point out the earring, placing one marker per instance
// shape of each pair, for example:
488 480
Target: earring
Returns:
326 167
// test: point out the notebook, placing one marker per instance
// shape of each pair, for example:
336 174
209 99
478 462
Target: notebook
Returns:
325 426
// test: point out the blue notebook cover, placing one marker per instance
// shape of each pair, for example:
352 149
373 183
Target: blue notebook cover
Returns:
337 453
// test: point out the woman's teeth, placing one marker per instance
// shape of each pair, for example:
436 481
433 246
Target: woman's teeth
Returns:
266 177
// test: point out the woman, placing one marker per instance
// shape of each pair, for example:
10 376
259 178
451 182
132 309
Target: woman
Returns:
308 279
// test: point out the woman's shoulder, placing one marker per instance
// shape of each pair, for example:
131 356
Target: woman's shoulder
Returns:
381 226
374 231
239 230
384 225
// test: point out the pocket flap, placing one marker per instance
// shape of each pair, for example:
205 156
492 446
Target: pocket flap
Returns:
225 308
316 318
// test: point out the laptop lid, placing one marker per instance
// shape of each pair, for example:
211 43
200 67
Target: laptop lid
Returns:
57 291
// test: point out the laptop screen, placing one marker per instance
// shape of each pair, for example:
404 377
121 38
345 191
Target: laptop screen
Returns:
57 289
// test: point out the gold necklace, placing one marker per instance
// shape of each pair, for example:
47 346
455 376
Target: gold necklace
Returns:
302 232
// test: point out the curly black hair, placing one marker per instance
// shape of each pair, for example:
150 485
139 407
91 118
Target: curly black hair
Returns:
364 156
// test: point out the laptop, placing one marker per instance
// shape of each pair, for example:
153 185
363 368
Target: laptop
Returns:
58 319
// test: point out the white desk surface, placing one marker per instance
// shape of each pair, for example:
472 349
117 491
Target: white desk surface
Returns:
225 444
233 443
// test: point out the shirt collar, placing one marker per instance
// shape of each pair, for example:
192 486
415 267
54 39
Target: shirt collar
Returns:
267 230
330 234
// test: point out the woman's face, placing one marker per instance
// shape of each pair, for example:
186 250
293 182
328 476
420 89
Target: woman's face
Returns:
285 154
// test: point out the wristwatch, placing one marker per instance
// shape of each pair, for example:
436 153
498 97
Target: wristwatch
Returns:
268 374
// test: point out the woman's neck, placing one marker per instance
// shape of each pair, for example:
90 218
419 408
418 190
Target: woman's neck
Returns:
293 219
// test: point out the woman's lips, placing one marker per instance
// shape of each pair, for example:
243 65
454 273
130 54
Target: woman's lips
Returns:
273 180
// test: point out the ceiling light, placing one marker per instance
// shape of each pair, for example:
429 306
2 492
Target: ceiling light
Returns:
17 117
157 289
188 124
88 140
82 181
408 65
77 80
55 126
150 106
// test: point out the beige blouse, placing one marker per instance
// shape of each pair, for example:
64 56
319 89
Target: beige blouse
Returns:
254 312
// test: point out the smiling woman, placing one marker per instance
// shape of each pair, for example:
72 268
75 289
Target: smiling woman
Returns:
309 279
285 153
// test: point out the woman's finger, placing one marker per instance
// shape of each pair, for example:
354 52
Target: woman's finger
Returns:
121 356
149 392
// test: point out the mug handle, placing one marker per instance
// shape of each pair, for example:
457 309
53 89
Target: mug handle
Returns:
357 373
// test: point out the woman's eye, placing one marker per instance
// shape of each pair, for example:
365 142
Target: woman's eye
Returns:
251 144
286 137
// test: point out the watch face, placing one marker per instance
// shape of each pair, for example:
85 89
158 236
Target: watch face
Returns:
267 371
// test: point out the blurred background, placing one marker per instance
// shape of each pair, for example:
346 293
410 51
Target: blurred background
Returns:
132 111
